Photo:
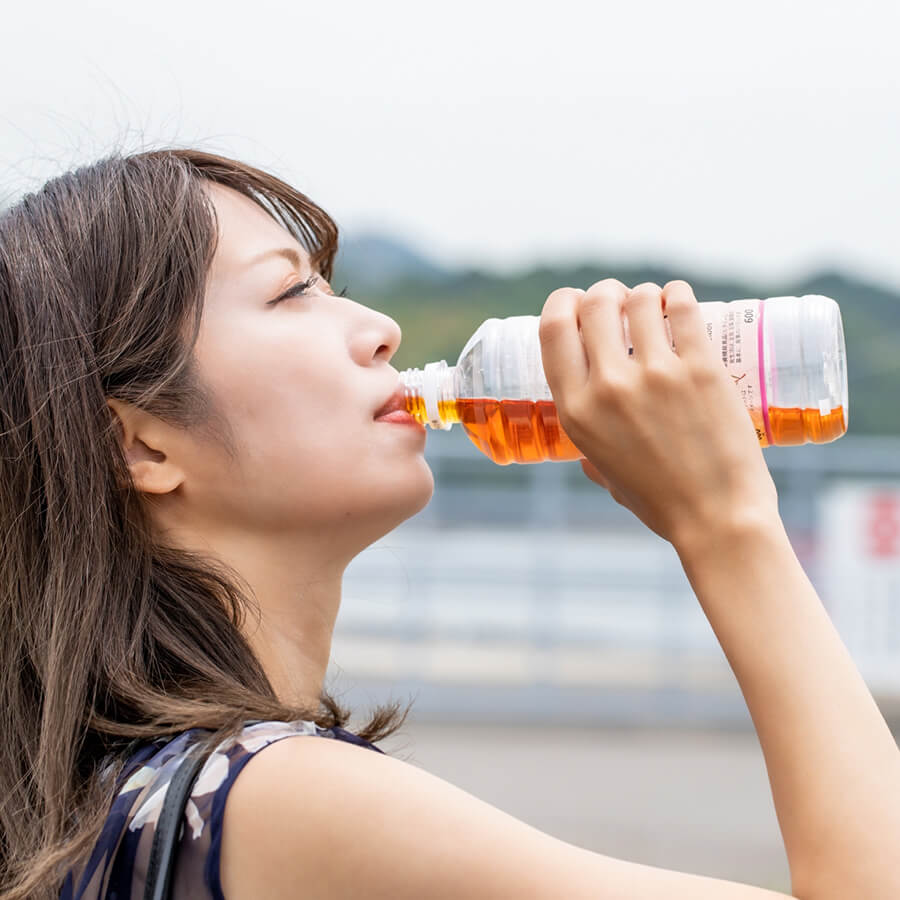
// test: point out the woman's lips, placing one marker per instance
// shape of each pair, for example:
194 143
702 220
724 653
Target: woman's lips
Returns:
399 417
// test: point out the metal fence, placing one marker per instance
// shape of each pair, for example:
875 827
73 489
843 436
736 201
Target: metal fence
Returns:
526 588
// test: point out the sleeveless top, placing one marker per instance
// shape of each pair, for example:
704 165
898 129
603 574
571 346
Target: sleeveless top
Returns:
117 867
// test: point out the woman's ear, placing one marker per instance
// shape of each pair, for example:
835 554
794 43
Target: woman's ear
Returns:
144 440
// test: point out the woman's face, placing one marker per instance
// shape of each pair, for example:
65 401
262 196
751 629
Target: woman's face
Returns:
298 383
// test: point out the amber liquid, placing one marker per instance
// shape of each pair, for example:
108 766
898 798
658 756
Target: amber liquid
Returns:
528 431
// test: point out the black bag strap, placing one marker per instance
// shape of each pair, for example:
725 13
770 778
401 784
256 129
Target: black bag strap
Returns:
165 837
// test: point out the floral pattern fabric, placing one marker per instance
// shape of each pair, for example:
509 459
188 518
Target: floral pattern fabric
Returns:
117 867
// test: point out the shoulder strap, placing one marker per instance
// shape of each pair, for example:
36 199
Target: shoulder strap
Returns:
168 826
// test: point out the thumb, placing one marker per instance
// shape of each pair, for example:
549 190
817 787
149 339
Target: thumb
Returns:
593 473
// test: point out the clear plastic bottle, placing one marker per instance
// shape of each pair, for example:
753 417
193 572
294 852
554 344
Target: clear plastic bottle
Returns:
785 354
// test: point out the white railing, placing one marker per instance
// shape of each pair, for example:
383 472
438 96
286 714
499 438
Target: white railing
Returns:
531 579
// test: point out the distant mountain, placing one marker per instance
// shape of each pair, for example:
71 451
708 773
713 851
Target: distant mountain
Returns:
439 308
373 262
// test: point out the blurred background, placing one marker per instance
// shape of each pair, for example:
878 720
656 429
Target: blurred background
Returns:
476 157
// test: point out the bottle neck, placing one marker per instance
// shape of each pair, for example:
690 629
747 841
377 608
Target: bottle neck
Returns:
431 394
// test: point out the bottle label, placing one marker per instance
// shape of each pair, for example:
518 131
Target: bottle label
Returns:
735 329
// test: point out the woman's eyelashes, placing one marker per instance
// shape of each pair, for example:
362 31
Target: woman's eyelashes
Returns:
300 289
295 290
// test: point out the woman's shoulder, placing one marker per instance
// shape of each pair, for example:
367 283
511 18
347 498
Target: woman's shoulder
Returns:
311 820
118 864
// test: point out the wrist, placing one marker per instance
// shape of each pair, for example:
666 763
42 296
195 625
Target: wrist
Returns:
728 537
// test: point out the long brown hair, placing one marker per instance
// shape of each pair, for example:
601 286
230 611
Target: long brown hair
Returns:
106 636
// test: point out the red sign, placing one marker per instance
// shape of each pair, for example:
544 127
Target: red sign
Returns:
882 525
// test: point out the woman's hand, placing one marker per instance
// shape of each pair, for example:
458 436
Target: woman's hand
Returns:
665 432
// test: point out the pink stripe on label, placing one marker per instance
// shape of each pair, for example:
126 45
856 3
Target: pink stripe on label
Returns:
764 400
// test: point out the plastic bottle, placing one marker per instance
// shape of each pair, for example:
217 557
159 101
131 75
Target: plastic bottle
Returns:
785 354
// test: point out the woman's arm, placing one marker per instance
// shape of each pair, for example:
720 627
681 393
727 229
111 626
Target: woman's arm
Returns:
832 762
325 820
667 434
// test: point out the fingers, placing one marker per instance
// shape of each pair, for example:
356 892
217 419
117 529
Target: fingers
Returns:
646 326
602 347
562 351
687 323
601 324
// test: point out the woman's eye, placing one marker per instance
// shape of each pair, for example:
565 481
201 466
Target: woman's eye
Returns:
296 290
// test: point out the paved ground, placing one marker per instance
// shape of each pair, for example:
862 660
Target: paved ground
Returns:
695 802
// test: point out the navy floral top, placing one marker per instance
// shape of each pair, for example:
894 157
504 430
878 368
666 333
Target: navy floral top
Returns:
117 866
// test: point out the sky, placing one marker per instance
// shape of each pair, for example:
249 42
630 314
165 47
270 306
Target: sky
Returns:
759 140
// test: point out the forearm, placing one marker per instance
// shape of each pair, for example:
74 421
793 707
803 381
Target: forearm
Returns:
833 765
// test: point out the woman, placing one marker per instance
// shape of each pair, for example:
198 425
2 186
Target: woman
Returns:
191 457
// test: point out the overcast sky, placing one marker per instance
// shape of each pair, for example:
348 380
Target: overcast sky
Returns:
758 138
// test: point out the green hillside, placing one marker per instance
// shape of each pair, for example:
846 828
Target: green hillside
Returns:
440 310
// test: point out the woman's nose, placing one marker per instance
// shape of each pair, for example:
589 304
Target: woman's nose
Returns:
389 335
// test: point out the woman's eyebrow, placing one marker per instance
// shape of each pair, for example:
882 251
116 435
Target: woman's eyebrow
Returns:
288 253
